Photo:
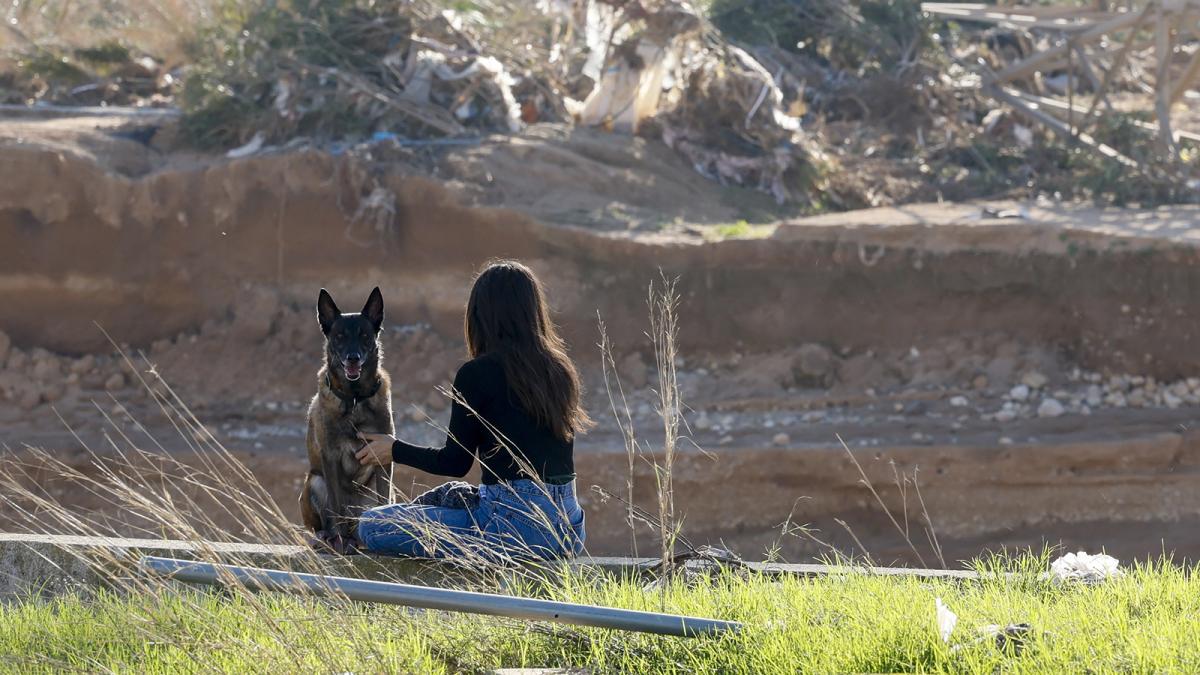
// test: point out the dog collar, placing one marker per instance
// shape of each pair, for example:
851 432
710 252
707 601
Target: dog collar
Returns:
348 402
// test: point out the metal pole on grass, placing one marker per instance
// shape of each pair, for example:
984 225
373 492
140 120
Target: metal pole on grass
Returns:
532 609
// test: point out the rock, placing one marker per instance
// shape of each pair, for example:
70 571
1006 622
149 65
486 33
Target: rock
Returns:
254 314
1001 369
1034 380
814 365
1019 393
1050 408
83 365
5 346
115 382
53 392
1006 415
725 440
1116 399
1137 398
781 439
1193 383
1171 400
703 422
29 398
47 369
1094 396
861 369
1005 440
960 402
16 359
633 371
980 382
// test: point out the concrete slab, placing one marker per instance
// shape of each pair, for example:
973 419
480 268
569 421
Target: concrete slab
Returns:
47 565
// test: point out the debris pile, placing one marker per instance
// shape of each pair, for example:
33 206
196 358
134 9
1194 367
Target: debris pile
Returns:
411 69
107 74
821 104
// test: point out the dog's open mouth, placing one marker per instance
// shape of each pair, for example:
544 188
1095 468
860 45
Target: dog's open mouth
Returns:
353 370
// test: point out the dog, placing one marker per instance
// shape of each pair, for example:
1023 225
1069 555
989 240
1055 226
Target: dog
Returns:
353 395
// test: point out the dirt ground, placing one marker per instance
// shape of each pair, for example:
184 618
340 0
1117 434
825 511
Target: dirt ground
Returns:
1031 362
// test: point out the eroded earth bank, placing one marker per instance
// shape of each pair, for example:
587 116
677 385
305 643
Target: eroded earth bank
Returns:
1034 365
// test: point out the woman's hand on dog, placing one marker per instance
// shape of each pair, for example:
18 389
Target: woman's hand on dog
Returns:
378 449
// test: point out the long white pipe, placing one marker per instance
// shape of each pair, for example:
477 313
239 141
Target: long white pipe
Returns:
258 579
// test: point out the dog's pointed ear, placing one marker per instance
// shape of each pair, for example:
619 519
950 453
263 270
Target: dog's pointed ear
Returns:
373 310
327 311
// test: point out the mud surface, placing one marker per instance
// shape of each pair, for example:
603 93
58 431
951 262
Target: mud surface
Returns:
1032 363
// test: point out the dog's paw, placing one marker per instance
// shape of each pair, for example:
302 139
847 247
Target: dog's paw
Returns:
324 542
354 546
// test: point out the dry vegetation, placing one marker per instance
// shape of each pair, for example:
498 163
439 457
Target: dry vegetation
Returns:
888 99
1013 618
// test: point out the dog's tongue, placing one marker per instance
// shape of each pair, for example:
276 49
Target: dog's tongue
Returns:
353 371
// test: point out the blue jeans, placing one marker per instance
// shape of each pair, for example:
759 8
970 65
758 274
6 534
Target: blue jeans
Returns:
519 519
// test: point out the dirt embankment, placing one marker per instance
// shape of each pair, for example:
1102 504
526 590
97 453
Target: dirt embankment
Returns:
935 337
148 255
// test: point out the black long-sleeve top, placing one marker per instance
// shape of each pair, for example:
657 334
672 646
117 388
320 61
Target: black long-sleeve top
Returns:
482 384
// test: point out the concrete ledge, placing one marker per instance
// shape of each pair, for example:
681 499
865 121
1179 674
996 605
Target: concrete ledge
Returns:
48 565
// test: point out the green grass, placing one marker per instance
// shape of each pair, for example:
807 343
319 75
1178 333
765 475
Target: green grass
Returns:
741 230
1146 621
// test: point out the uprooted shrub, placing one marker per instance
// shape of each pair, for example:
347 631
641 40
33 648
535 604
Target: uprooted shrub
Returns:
860 36
343 68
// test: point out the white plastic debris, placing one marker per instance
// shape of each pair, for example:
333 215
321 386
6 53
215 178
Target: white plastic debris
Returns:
946 620
1082 567
248 149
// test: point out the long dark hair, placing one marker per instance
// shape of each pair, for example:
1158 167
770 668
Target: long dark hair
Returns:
507 316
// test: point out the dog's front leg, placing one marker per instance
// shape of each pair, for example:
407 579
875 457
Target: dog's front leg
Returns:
336 522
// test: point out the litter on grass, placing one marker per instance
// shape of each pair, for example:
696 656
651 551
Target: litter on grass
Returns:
1085 568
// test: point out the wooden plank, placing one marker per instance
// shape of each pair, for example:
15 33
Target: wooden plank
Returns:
1056 106
1086 65
1117 64
1163 50
1188 78
1034 62
46 110
1033 11
1013 98
1067 19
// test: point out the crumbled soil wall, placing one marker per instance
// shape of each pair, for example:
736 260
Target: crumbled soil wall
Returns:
147 257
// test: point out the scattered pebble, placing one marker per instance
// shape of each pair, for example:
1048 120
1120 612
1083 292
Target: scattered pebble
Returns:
1050 408
1019 392
115 382
1034 380
960 402
781 439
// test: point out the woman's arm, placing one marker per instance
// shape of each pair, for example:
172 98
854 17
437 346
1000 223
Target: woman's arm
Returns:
466 436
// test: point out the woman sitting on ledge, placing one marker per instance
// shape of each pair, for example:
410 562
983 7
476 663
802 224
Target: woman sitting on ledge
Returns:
517 410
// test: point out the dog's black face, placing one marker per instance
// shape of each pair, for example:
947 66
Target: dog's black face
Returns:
351 340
